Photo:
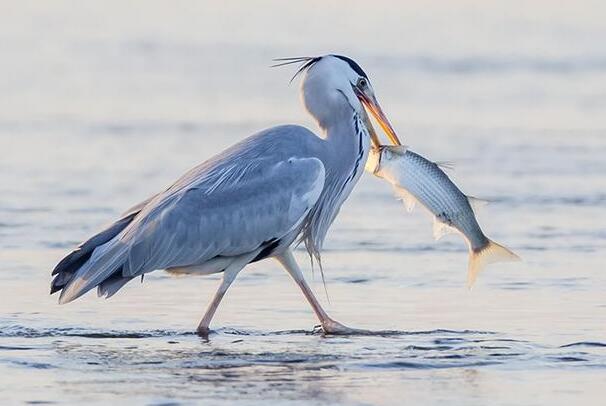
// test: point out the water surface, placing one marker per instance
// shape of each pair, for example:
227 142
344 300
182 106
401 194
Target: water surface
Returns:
103 106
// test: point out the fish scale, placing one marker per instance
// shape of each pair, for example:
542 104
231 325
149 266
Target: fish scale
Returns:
418 179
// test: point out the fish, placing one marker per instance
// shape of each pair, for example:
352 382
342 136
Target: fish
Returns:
416 179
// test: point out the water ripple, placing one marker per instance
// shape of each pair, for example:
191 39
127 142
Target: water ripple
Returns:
28 332
584 344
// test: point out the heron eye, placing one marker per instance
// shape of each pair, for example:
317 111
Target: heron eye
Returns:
362 83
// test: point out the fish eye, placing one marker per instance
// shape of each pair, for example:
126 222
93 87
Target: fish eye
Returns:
362 83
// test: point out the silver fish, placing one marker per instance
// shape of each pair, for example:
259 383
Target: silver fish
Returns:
416 179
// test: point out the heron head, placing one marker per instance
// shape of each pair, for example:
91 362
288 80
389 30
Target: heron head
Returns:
333 83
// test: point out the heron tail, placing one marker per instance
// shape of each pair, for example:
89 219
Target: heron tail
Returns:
104 266
71 272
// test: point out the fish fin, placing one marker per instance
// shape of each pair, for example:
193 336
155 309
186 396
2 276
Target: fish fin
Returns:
440 229
489 254
446 165
476 203
407 198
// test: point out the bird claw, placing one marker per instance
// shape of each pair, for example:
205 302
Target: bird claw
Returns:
333 327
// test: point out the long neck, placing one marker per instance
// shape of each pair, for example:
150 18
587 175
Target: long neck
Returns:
343 135
345 151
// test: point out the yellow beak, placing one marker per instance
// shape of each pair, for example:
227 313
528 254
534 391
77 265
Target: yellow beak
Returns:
371 104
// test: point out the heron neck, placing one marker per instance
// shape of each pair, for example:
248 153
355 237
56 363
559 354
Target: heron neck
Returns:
344 153
343 138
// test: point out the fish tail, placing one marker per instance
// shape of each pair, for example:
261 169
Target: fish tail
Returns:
490 253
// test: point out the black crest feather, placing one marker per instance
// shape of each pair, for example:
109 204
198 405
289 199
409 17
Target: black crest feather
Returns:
305 61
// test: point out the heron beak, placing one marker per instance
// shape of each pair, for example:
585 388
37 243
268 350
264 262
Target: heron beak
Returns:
371 104
374 138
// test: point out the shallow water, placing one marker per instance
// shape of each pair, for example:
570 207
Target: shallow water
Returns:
102 108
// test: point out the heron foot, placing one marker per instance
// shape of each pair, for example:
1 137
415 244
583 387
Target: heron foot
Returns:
333 327
203 331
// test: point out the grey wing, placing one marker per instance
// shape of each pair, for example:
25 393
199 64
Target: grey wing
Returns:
230 210
263 201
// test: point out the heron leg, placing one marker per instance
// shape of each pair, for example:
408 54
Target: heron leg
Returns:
229 275
329 325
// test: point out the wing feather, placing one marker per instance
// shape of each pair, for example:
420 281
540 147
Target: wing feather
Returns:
229 212
254 193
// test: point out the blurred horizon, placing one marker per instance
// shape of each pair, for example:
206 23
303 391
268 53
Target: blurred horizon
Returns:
213 61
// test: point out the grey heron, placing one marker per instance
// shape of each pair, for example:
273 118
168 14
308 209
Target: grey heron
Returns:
257 199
